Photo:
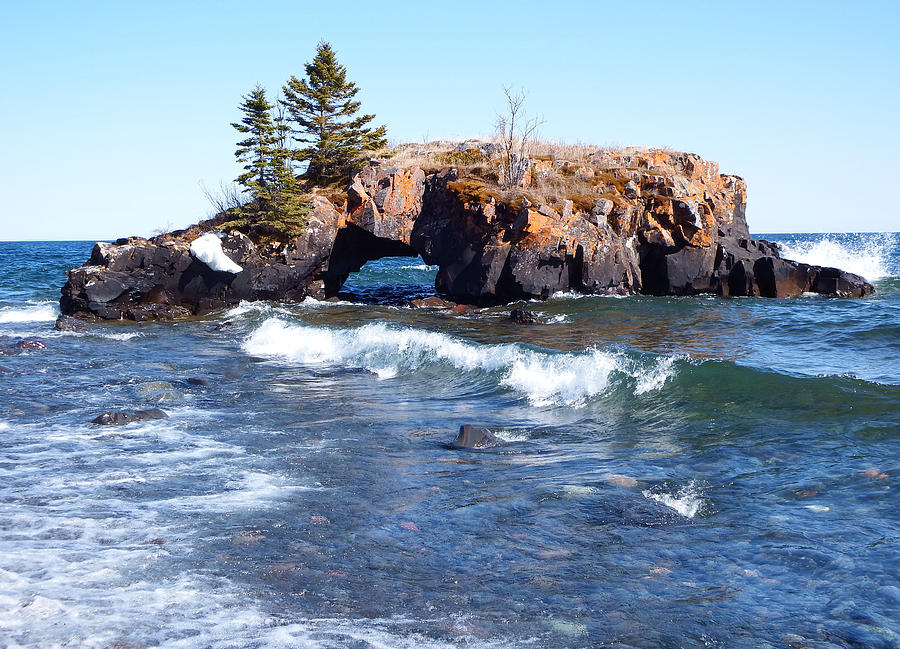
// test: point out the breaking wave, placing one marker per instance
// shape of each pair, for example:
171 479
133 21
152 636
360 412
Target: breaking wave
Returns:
546 377
34 312
864 254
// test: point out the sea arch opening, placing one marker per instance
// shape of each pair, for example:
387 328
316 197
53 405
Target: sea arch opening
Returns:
364 267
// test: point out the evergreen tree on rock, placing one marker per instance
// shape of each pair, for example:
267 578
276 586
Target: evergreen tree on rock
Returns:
255 151
323 111
268 172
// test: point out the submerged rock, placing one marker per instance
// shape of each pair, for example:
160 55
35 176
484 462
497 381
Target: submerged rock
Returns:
28 344
122 418
619 480
637 221
221 326
31 344
432 302
158 392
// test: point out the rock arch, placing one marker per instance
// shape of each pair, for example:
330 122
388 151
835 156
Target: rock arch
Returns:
675 227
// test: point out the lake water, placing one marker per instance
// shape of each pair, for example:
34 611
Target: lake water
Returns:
675 472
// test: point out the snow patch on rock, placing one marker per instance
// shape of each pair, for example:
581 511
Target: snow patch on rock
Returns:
208 249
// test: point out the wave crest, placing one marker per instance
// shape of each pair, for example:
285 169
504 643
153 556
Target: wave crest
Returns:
33 312
545 377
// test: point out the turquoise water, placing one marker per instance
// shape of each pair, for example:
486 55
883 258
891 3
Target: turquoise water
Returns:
676 472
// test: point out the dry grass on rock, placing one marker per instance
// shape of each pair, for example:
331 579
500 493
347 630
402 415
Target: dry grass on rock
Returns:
579 172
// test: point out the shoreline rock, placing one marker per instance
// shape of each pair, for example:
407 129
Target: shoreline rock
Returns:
654 222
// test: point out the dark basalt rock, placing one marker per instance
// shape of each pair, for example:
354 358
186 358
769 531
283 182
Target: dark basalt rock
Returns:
519 316
68 323
20 346
661 223
30 344
122 418
472 437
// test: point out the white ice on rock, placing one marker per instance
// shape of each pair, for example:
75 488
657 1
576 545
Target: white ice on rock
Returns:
208 249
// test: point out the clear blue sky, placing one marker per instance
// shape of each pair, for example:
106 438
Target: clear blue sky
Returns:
113 112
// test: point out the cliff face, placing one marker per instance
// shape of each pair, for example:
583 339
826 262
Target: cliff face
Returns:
653 222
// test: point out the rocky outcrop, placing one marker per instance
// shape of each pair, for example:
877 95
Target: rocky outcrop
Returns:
158 279
632 221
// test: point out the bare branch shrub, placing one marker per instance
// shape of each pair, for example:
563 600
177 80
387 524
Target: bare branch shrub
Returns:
227 197
515 130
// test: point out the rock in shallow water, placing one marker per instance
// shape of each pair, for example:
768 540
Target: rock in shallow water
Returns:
619 480
122 418
158 392
68 323
472 437
29 344
520 316
432 302
22 345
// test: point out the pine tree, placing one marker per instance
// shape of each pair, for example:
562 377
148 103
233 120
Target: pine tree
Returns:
255 151
278 203
283 185
323 111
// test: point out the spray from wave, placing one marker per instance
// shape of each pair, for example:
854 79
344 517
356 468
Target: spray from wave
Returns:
864 254
545 377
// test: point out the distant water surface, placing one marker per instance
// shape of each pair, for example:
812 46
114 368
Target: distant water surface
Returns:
675 472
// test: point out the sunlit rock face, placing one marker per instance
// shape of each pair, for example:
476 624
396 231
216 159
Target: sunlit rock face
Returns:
620 222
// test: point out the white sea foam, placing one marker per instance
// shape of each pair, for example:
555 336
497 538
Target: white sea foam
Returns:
84 563
242 308
545 377
269 309
575 295
419 267
313 303
96 333
512 435
31 312
687 501
251 491
867 255
121 336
